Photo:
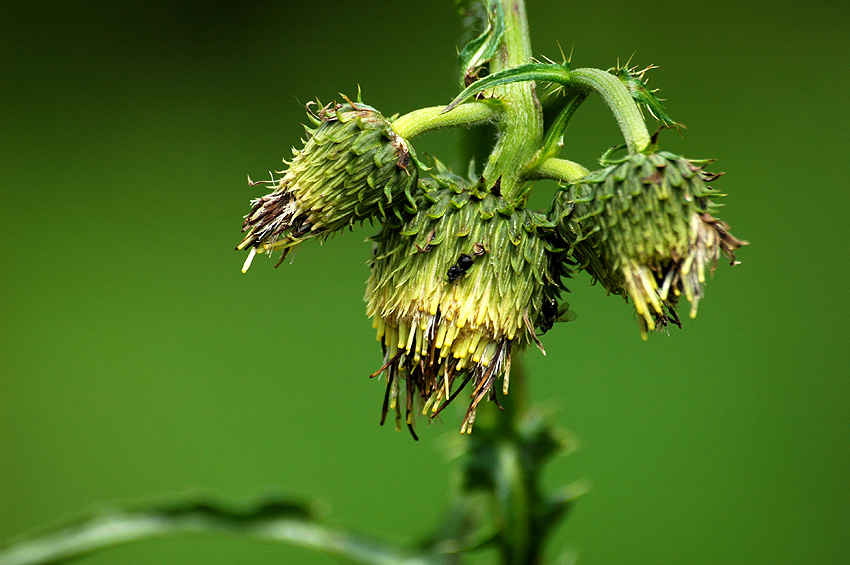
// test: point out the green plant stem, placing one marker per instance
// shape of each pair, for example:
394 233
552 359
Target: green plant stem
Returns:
618 98
581 82
521 126
471 114
560 169
505 458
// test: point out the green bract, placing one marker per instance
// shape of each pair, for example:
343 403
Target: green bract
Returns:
454 290
352 168
642 227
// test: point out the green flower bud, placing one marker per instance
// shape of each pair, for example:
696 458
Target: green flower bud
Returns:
353 167
642 227
453 291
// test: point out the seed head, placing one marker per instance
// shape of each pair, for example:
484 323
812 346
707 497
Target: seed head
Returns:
353 168
643 228
454 289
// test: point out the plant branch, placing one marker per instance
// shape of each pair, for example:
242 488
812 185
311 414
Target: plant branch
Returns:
560 170
618 98
540 72
467 115
616 95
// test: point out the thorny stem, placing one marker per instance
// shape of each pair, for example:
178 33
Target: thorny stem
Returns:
505 458
514 485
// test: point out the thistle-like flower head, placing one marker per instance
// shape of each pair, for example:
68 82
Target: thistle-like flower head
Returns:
643 227
454 290
353 168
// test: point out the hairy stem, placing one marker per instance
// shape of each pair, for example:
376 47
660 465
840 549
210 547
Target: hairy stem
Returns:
559 169
420 121
620 101
521 126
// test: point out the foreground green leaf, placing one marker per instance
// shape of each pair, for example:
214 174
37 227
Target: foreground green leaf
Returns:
272 519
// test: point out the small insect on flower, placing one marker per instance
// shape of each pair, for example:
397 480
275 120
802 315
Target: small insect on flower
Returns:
456 271
550 312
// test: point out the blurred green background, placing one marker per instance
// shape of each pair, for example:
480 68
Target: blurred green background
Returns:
137 361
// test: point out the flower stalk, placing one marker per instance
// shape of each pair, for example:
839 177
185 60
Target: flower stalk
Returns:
424 120
620 101
560 169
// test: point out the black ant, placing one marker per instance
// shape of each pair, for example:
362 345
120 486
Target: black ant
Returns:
464 262
551 312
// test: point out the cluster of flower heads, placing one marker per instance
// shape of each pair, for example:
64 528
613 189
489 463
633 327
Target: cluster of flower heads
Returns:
460 278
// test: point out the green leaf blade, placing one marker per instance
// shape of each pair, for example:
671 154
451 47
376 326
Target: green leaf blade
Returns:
272 519
533 71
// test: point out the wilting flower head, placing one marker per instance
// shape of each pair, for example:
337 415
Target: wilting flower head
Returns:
353 167
454 290
642 227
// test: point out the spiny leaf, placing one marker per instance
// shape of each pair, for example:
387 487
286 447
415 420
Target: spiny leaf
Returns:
532 71
633 79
